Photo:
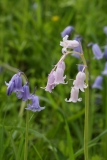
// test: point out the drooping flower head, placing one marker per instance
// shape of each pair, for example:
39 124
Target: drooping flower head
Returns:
98 82
59 73
79 82
25 95
50 83
105 70
68 44
67 31
74 95
97 51
15 84
34 106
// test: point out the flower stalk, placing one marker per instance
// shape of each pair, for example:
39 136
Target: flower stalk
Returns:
26 136
86 120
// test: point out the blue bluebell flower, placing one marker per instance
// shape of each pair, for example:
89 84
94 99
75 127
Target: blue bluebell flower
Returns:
67 31
105 70
15 84
78 48
97 51
80 67
98 82
105 30
105 52
34 106
25 95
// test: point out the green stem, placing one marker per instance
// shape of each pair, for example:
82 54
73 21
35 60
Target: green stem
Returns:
26 136
86 111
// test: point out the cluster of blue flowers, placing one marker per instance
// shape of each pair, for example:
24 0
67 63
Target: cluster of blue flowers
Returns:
99 55
23 92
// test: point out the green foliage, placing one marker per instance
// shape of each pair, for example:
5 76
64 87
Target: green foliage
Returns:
29 40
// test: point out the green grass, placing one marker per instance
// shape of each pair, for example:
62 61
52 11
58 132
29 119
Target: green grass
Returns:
29 41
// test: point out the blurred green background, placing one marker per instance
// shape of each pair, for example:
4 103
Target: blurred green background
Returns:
30 34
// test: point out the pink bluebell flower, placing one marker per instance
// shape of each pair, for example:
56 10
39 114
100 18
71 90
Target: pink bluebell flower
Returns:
50 83
67 31
79 82
98 82
34 106
74 95
97 51
59 73
15 84
68 43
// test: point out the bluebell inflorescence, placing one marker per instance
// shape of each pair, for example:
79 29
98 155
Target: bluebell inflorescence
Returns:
23 92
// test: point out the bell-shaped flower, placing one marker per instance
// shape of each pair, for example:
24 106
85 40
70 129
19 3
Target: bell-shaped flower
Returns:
79 82
34 106
105 30
25 95
15 84
74 95
59 73
98 82
80 67
69 43
79 48
97 51
105 70
50 83
67 31
105 52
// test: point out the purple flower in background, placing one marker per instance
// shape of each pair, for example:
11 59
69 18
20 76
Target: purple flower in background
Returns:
34 106
98 82
105 30
105 70
15 84
105 52
78 48
25 95
97 51
80 67
67 31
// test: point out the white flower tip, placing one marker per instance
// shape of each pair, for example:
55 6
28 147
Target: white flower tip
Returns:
64 50
6 83
42 87
79 99
67 100
65 38
61 43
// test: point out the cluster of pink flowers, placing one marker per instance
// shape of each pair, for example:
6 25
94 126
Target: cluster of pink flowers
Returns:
57 76
78 85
